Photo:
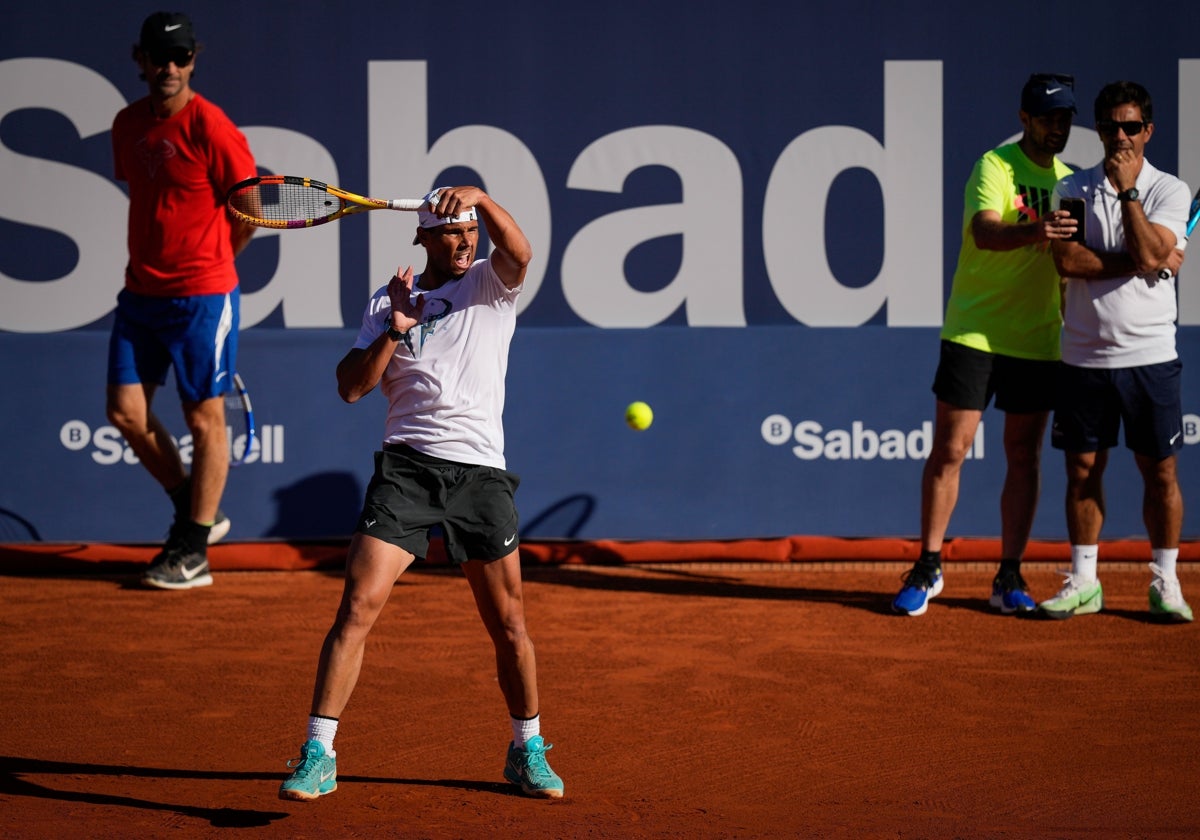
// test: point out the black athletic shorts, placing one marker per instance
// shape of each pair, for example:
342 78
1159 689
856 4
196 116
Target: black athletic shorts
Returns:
1095 402
969 378
411 492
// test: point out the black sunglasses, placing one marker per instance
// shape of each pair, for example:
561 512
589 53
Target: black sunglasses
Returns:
179 56
1059 78
1132 128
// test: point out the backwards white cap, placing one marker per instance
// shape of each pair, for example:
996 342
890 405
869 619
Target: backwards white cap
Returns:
429 219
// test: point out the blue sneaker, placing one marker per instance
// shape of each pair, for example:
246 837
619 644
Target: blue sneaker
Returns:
1010 593
315 774
529 769
920 584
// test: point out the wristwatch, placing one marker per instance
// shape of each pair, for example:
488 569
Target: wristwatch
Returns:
393 333
1128 195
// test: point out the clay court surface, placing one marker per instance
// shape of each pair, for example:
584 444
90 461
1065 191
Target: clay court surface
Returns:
683 701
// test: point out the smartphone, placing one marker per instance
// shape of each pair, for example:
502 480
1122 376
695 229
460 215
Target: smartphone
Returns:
1076 207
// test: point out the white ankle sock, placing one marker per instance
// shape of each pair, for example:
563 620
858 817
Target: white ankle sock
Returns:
1165 559
1083 561
323 729
523 730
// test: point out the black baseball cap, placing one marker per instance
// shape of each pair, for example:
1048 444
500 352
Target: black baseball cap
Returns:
167 31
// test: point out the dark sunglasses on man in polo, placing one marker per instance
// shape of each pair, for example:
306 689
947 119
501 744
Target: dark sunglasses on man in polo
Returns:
179 56
1132 128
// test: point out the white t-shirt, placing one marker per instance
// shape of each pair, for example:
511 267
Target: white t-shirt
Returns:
445 383
1123 321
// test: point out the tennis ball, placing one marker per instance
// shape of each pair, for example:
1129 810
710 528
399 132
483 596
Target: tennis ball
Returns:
639 416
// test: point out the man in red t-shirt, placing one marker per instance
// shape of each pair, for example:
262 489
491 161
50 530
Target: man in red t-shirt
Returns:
179 309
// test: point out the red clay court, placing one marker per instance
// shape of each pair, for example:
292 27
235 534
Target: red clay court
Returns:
738 691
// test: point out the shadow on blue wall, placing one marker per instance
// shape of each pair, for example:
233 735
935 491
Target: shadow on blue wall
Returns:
317 505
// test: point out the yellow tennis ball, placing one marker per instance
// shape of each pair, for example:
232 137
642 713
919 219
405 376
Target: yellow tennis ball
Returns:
639 416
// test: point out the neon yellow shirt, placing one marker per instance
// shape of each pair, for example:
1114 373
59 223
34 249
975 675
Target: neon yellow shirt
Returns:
1007 302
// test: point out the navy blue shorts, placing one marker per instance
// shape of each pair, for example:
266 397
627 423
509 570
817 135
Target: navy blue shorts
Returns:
412 492
969 378
197 336
1094 402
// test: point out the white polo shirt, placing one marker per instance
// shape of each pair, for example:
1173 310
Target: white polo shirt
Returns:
1123 321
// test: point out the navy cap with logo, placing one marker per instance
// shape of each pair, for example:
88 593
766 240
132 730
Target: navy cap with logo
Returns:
1046 92
167 31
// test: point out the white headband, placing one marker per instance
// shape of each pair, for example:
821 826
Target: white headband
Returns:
429 219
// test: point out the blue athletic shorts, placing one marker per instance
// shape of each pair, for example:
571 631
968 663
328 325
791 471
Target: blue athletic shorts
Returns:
197 336
969 378
1095 402
412 492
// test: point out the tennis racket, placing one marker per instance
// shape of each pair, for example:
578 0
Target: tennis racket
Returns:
239 421
288 201
1193 215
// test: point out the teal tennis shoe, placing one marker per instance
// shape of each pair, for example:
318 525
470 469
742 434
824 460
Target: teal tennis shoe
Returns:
315 774
529 769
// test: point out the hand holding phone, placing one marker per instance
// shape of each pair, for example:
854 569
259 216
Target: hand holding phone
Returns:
1076 207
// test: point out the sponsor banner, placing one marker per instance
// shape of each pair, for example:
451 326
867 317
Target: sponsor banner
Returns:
759 432
752 227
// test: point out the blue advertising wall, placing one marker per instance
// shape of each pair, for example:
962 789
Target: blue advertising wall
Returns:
746 215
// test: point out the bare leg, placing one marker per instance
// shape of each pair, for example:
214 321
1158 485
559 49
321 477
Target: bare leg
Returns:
1162 501
128 409
953 435
1085 496
497 590
1023 435
372 568
210 455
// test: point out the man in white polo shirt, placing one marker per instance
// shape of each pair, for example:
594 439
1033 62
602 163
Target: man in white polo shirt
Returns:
1120 365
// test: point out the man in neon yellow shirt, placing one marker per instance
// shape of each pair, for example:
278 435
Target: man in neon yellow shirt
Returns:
1000 338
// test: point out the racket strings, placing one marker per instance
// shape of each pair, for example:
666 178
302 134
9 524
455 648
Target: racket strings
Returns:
285 202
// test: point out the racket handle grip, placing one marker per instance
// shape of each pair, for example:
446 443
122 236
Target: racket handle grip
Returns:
1164 274
406 203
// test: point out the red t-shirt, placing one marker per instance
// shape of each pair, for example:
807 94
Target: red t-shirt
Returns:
179 170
